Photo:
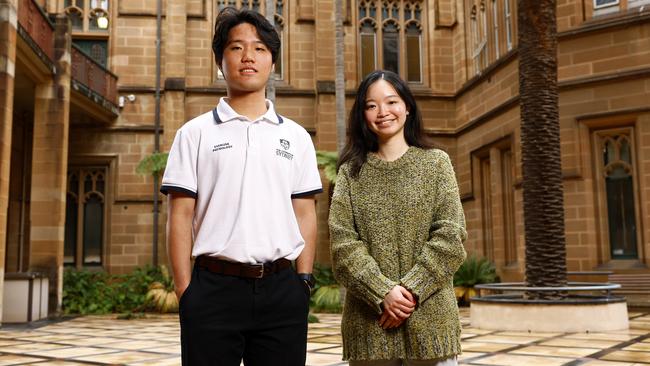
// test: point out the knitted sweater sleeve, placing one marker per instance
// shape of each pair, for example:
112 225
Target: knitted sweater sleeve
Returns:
443 253
353 266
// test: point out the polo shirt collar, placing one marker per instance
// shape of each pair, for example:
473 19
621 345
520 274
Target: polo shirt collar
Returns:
224 113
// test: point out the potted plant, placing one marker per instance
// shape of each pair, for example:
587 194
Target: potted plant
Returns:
472 272
161 293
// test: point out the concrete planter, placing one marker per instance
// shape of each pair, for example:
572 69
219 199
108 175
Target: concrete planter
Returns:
549 317
583 311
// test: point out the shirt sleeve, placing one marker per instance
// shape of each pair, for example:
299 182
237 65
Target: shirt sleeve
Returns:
307 179
180 172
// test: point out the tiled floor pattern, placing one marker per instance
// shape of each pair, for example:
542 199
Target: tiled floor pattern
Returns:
103 340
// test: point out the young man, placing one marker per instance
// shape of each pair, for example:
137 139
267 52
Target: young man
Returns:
241 181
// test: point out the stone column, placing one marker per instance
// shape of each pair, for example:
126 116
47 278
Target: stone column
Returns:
173 117
325 110
49 168
8 24
175 48
326 103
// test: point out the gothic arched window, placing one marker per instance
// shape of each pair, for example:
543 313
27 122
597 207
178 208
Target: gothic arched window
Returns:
398 26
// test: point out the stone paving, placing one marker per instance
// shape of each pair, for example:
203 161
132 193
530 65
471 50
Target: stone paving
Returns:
104 340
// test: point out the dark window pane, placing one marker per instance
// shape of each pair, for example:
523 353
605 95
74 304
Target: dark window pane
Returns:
245 4
93 228
413 61
625 151
71 218
256 5
278 61
88 183
75 19
391 48
96 49
620 210
99 183
279 8
74 183
395 13
609 152
367 54
362 12
373 12
605 2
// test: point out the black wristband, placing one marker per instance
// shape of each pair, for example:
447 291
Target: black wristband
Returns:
308 278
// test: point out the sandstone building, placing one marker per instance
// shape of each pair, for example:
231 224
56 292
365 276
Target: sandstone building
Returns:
78 110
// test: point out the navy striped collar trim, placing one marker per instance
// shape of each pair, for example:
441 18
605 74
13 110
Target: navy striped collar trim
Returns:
218 120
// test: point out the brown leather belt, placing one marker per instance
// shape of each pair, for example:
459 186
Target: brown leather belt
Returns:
221 266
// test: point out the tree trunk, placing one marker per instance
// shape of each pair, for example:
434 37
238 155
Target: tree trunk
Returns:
540 147
339 81
269 9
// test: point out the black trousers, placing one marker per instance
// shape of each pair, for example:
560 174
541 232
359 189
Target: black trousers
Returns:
225 319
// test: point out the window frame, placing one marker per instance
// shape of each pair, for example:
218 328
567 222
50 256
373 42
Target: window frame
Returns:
85 33
510 30
598 136
378 22
79 250
607 5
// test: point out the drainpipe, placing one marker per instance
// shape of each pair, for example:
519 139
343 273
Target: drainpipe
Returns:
156 148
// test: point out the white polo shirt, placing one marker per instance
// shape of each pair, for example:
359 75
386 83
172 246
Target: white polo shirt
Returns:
243 175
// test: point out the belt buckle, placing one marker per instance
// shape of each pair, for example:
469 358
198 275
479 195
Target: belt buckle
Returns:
261 270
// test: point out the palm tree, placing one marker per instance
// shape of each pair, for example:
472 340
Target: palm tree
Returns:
540 147
339 81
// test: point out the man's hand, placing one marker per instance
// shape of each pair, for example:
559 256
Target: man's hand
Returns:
398 305
180 290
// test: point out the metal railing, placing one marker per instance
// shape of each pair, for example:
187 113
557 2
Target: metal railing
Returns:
579 292
37 25
93 75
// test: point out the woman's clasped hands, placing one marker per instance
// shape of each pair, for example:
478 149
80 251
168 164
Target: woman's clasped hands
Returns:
398 305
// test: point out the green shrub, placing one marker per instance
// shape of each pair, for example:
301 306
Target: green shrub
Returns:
472 272
323 276
152 164
311 318
475 271
327 292
327 299
95 292
328 160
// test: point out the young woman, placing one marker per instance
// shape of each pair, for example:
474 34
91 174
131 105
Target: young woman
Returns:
397 230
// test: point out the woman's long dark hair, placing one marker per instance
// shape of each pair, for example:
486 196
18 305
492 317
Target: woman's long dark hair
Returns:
361 140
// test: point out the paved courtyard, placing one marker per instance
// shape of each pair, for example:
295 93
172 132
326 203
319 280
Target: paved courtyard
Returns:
104 340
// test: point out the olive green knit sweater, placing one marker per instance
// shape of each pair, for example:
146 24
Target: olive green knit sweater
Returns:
399 222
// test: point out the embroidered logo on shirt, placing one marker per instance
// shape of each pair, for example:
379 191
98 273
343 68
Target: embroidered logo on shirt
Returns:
223 146
283 154
285 145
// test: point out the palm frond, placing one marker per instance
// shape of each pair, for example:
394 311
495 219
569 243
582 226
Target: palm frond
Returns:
152 164
327 160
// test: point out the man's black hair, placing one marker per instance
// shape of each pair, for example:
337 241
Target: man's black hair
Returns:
230 17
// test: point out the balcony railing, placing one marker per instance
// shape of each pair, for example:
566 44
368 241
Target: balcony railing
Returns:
93 75
37 25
